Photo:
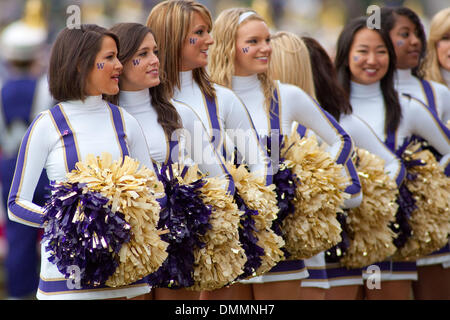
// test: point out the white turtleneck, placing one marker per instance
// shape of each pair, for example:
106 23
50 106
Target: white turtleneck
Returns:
446 75
405 82
233 118
94 132
368 104
193 142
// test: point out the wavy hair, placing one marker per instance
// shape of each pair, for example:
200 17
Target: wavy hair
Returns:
290 61
170 22
440 25
130 37
390 95
222 53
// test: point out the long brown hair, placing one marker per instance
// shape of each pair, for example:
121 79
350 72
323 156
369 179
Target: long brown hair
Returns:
72 59
170 22
131 36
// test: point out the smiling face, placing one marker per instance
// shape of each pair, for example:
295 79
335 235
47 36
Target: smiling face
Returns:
104 76
368 57
253 48
407 43
194 53
142 70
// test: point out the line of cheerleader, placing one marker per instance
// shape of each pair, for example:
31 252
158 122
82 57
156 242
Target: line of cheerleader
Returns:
192 159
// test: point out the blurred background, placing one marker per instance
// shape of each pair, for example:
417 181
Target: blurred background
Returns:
321 19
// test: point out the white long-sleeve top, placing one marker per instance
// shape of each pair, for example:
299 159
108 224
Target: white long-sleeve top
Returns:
405 82
364 137
193 142
295 105
94 131
233 119
368 104
446 75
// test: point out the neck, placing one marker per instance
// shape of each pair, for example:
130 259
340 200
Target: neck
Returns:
365 91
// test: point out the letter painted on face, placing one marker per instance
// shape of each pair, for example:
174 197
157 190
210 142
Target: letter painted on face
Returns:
100 65
245 50
136 62
193 41
399 43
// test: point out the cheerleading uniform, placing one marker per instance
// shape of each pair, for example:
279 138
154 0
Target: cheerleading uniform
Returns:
446 75
437 97
294 105
56 140
363 137
225 118
191 145
368 104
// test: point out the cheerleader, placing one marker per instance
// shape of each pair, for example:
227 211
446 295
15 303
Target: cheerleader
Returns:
288 49
408 36
83 66
240 60
365 64
160 118
437 66
182 28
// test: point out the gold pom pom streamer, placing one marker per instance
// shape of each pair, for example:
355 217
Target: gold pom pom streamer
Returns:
313 227
371 238
222 259
133 191
257 196
430 222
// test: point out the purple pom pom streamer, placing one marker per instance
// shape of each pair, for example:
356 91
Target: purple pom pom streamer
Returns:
187 218
82 231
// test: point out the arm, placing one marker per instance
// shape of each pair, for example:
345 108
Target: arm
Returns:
30 163
365 138
426 124
240 129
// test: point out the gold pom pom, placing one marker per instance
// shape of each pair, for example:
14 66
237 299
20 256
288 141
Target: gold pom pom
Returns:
222 259
313 227
258 196
371 238
430 222
132 191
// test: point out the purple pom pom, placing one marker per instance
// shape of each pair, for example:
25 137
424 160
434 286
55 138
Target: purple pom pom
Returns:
82 231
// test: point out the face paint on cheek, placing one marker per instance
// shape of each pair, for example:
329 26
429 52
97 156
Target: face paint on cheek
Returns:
399 43
245 50
193 41
136 62
355 58
100 66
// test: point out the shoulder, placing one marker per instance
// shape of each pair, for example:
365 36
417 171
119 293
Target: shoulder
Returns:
293 93
186 112
226 94
439 88
411 105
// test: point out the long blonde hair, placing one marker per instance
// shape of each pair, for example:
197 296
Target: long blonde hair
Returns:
170 21
223 52
290 62
440 25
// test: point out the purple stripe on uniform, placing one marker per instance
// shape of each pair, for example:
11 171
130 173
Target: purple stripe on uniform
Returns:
317 274
118 123
63 286
70 148
301 130
384 266
288 265
14 207
404 266
341 272
355 187
214 118
345 137
429 94
401 175
445 249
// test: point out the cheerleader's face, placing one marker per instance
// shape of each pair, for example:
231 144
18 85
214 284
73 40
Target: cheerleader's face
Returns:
406 42
368 57
104 76
443 51
142 70
253 48
194 53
